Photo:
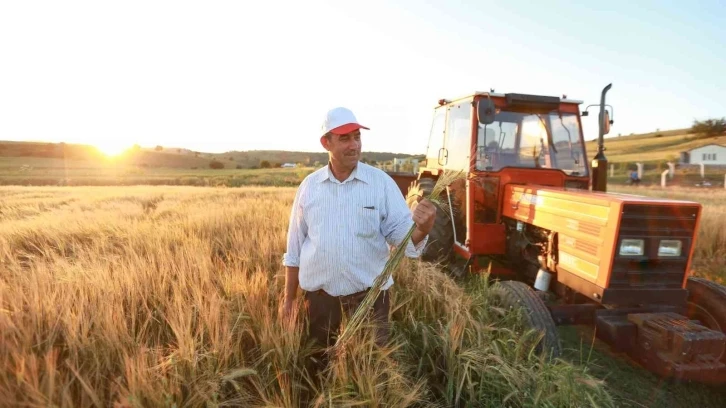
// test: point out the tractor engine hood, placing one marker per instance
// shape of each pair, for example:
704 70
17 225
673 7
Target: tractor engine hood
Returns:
614 248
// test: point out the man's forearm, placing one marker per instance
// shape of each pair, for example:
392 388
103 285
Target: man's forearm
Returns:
418 236
291 282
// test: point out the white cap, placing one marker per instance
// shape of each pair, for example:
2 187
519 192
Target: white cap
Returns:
340 121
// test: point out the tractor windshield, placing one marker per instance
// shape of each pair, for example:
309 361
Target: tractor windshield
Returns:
542 140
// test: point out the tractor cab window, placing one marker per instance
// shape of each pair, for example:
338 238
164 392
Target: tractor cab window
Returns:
497 138
517 139
569 150
533 143
436 138
458 136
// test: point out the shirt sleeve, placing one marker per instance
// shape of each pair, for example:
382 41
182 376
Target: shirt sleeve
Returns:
399 220
297 230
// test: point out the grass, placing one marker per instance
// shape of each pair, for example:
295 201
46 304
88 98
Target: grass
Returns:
150 296
627 383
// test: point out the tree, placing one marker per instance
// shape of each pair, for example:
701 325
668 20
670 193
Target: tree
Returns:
215 164
158 148
231 158
264 164
709 127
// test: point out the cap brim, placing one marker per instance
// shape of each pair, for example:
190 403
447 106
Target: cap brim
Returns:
347 128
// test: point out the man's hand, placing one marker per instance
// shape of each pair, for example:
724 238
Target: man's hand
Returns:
289 312
288 308
424 215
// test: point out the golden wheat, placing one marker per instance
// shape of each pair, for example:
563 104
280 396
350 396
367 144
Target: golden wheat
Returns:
162 296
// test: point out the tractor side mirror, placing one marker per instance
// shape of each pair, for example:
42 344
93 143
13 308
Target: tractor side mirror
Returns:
606 122
485 111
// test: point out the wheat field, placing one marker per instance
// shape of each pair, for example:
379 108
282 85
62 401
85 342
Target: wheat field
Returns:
169 296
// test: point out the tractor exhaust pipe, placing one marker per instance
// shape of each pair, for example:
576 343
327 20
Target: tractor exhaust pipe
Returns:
600 162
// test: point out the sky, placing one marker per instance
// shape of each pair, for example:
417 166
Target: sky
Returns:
217 76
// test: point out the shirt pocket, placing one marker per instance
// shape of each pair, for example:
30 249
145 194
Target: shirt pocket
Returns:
367 222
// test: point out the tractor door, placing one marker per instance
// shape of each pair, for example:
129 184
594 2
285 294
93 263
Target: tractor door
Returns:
436 154
458 145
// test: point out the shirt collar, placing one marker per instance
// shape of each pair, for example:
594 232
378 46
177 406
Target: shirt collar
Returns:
360 172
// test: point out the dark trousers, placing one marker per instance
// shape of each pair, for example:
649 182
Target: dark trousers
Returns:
325 312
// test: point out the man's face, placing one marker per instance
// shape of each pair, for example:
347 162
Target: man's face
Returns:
344 149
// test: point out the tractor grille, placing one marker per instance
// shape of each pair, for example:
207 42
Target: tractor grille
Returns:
653 224
587 247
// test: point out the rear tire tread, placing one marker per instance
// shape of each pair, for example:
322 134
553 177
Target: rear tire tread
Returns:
537 315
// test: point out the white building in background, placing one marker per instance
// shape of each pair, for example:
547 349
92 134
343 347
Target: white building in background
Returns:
712 154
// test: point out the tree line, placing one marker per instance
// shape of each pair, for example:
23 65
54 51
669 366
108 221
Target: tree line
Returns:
709 127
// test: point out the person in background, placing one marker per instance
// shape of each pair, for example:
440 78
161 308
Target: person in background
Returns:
634 179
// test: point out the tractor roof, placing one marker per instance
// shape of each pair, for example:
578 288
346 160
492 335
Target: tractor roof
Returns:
563 99
501 95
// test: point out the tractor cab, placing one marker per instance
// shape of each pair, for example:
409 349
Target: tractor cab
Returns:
488 132
499 140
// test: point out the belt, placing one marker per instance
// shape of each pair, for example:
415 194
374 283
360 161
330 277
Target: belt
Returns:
356 295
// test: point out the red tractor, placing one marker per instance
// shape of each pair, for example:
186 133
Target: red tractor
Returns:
535 213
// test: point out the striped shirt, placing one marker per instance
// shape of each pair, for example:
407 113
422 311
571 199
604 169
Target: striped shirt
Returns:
340 234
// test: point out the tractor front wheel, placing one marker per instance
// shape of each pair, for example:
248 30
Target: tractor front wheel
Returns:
441 238
707 304
514 295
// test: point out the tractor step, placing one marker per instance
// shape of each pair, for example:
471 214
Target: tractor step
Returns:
667 343
678 339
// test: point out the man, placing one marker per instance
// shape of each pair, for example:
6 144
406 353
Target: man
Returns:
634 177
343 219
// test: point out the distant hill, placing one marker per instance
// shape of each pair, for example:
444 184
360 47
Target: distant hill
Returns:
89 156
651 147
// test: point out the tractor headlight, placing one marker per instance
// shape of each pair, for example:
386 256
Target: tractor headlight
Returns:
632 247
670 247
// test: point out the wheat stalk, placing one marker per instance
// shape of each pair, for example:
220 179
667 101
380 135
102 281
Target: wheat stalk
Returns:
356 321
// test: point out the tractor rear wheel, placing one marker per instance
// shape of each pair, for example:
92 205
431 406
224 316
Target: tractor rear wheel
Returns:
707 304
440 244
513 295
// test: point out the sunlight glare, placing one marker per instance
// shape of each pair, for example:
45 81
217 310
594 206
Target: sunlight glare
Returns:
112 148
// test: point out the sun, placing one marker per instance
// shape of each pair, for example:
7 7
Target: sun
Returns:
112 148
